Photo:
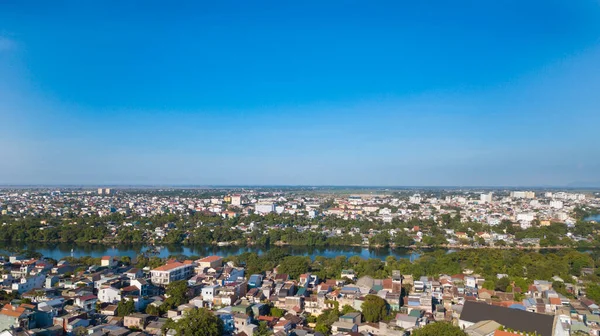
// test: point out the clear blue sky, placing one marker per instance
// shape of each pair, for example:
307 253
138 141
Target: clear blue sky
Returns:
300 92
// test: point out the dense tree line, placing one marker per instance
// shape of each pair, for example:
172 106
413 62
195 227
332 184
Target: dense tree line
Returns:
522 267
201 228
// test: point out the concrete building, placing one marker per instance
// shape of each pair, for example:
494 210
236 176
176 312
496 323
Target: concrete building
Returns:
173 271
236 200
210 262
522 194
486 198
264 207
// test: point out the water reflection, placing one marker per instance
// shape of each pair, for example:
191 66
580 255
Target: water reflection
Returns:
61 250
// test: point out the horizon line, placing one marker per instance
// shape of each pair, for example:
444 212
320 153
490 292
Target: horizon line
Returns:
182 186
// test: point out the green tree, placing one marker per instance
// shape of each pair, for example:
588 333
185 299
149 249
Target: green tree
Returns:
176 292
592 291
196 322
294 266
125 307
439 329
153 310
348 309
276 312
80 331
263 329
323 328
502 284
374 308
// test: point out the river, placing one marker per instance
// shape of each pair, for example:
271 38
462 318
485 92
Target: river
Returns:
595 218
61 250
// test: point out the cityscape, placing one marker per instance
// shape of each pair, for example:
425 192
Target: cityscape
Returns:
482 261
299 168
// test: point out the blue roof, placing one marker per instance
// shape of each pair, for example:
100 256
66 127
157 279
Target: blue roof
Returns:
517 306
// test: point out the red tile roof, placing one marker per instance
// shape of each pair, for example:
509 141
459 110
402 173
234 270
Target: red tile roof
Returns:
12 311
210 259
169 266
87 297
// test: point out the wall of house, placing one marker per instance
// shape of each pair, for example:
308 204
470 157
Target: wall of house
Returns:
6 322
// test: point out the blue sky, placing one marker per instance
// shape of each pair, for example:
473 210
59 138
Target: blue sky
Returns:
338 93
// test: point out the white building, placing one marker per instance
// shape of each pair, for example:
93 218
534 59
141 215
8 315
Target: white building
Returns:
415 199
209 293
29 283
109 294
486 198
264 207
522 194
173 271
528 217
556 204
236 200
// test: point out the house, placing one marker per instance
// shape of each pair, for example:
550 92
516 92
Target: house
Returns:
134 273
142 286
351 318
349 274
107 261
228 322
109 294
255 280
308 280
172 271
210 262
283 325
515 319
51 281
136 320
86 302
209 293
28 283
344 327
73 324
110 310
241 321
12 316
406 322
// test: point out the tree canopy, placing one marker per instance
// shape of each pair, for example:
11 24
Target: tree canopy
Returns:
196 322
374 308
125 307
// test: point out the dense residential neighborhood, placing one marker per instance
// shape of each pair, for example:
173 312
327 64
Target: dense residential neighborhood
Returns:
494 281
401 218
113 297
